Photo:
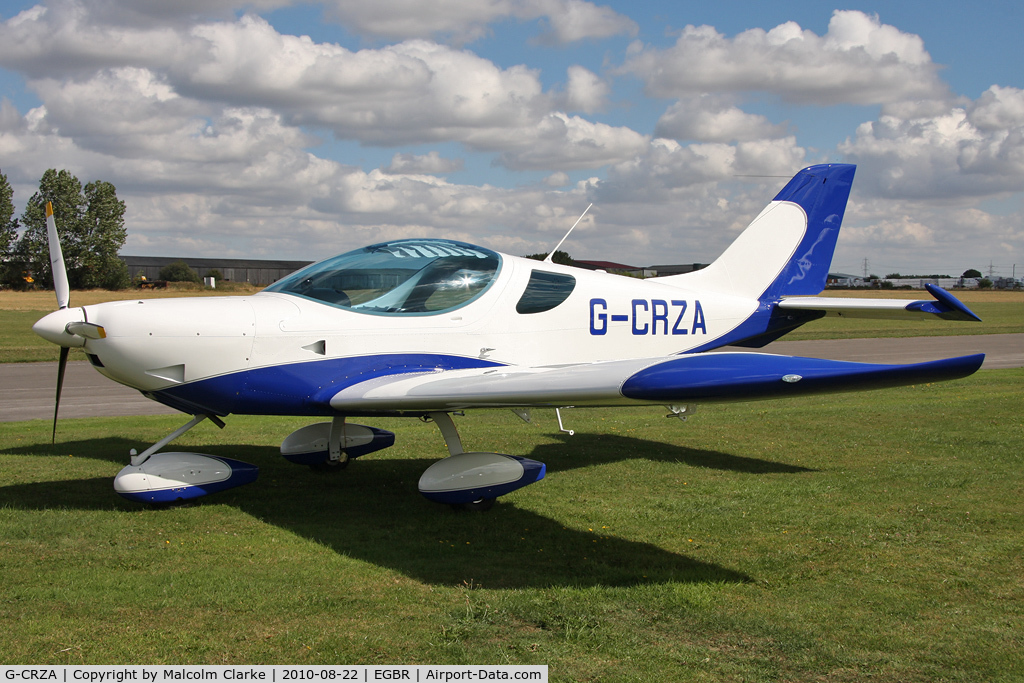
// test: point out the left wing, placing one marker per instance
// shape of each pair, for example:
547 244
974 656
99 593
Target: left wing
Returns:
675 379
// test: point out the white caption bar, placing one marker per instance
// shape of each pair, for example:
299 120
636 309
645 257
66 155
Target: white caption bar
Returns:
272 674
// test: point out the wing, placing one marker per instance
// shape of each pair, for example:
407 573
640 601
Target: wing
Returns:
944 306
675 379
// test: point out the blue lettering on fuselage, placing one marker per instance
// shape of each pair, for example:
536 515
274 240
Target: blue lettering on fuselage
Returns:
651 317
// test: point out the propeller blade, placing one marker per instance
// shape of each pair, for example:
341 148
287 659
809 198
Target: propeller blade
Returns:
61 367
60 273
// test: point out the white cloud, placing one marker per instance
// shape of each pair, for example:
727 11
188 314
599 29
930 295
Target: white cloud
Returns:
933 238
859 61
464 21
412 92
958 156
572 20
585 91
41 42
998 109
569 142
559 179
709 118
204 122
160 12
430 163
669 169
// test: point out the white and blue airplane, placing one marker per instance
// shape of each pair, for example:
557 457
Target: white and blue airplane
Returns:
429 327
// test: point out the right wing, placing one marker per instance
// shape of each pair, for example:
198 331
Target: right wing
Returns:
675 379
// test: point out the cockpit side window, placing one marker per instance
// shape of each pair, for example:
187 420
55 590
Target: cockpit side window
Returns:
545 291
405 277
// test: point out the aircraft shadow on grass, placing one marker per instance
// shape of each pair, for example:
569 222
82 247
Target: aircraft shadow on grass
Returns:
582 450
371 512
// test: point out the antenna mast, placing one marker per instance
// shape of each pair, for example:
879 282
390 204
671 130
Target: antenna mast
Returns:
551 255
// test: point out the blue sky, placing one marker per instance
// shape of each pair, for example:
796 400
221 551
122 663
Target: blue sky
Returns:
498 121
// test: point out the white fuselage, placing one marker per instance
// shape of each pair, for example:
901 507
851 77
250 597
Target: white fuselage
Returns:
159 343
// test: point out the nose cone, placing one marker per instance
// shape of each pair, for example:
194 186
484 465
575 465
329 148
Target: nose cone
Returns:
53 327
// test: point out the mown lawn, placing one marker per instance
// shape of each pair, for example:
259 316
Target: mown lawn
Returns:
873 536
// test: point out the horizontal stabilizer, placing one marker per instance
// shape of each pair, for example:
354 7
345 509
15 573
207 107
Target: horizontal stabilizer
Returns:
945 306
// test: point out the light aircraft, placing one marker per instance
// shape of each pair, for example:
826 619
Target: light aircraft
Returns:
430 327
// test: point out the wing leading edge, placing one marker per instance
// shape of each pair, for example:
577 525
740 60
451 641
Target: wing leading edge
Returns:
705 377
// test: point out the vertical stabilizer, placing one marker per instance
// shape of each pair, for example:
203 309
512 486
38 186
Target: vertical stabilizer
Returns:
787 250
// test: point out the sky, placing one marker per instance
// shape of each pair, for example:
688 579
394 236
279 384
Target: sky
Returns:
295 130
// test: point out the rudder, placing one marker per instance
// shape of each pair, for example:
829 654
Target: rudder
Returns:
822 192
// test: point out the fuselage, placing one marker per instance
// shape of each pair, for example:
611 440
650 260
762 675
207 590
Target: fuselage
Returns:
288 352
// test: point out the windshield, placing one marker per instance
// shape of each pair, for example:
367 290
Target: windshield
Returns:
401 277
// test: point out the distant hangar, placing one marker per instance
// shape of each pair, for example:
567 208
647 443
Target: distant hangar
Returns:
253 271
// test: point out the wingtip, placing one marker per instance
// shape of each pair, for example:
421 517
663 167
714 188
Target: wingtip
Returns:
956 309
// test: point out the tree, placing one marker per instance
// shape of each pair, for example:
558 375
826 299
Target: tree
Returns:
8 223
90 225
178 271
8 227
971 272
104 236
559 257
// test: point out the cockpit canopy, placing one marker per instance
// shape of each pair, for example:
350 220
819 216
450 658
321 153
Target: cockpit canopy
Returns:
403 277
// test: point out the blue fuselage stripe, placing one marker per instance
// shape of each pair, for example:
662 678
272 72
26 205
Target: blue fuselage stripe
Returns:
300 388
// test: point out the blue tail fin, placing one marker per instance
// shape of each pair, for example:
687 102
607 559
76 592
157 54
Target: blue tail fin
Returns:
821 191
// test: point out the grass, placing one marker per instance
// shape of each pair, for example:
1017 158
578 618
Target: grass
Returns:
1002 313
843 538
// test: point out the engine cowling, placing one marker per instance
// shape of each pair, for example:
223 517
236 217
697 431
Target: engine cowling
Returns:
470 477
172 477
310 445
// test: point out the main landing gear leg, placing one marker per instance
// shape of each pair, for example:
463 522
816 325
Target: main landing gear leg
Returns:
445 423
337 459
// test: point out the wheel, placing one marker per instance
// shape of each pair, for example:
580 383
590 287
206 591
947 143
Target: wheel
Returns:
330 466
478 505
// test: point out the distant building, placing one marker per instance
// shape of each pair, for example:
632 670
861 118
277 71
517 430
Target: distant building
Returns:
845 280
611 267
920 282
679 269
1006 283
253 271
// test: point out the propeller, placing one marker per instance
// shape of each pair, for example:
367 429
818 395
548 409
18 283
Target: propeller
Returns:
63 290
60 273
